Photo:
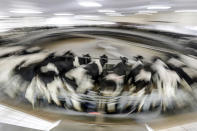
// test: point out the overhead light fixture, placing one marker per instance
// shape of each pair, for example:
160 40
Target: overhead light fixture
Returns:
147 11
92 17
185 11
63 14
158 7
142 14
89 4
61 21
4 16
25 11
114 14
106 11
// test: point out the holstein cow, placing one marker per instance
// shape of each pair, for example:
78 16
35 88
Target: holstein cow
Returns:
139 81
187 73
82 79
111 85
166 81
44 77
12 83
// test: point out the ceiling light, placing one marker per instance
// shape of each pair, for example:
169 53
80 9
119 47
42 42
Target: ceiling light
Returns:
109 11
25 11
147 11
142 14
95 17
114 14
66 21
63 14
4 16
187 11
89 4
158 7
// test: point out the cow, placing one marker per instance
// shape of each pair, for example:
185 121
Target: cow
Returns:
112 83
81 80
139 82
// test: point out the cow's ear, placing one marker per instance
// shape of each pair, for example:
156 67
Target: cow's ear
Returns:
103 57
67 52
51 55
124 59
155 58
88 55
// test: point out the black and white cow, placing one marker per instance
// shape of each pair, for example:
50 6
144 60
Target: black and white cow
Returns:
139 82
166 81
140 74
111 85
85 76
12 83
114 78
85 59
82 79
44 77
187 73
